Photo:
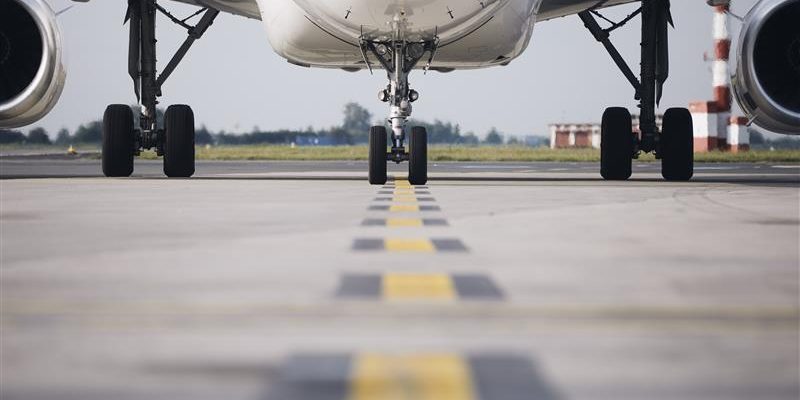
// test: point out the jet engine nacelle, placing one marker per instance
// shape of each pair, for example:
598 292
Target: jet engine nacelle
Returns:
31 71
767 79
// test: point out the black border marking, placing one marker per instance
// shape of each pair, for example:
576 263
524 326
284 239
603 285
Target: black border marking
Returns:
448 245
360 286
368 245
508 377
476 287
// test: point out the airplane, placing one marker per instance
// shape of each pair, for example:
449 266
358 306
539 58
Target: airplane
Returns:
401 37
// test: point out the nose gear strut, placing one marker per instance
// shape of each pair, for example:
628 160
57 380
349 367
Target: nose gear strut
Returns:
398 57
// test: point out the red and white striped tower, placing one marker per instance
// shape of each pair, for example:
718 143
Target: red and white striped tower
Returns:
722 50
711 117
720 73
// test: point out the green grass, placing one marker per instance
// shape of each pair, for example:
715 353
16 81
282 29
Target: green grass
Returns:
46 148
435 153
468 153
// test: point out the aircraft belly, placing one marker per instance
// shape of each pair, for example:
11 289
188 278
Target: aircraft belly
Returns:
326 33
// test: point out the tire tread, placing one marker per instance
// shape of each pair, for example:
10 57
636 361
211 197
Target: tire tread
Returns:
118 141
377 155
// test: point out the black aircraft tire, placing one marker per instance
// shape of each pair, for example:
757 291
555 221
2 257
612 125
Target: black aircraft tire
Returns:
616 144
179 141
677 145
118 141
418 156
377 155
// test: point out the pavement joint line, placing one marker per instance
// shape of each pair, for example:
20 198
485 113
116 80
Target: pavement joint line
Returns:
401 187
404 208
425 375
410 245
405 199
404 191
770 317
418 286
404 222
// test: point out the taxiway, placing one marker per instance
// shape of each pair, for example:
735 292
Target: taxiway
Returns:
298 280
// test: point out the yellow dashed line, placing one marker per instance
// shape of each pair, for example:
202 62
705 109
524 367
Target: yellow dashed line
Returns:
405 199
403 208
402 184
404 191
417 287
403 222
409 245
423 377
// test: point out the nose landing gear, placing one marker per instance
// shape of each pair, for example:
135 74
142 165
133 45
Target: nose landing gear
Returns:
398 57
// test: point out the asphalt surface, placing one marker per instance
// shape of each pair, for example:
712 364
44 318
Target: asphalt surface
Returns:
298 280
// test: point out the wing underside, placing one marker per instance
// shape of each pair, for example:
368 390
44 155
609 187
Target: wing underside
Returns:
550 9
245 8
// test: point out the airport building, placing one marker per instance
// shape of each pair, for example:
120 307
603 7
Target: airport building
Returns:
584 135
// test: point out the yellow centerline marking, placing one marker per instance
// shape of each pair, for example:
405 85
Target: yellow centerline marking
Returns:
404 208
403 222
404 286
405 199
422 377
409 245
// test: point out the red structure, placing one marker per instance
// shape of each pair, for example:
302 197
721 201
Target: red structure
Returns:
713 124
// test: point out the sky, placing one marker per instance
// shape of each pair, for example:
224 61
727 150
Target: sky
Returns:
235 82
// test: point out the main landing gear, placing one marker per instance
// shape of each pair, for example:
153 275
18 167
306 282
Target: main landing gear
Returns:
398 56
175 139
673 144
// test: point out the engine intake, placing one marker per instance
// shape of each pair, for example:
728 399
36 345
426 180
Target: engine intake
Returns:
767 79
31 71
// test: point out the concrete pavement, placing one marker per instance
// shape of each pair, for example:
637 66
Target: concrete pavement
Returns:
524 281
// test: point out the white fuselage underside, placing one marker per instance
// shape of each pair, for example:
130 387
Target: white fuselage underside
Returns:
471 33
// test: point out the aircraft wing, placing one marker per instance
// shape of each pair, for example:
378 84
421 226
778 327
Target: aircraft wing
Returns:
550 9
246 8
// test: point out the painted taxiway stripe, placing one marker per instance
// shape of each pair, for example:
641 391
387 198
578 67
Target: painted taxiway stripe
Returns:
404 208
405 199
420 286
404 222
404 192
409 245
388 186
423 377
420 376
417 287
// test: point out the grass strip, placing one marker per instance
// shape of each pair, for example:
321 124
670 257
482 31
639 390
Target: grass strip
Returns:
435 153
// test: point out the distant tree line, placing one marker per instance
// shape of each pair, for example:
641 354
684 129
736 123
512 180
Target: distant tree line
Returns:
353 130
759 142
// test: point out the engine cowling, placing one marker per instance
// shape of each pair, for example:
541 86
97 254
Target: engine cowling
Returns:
767 79
32 73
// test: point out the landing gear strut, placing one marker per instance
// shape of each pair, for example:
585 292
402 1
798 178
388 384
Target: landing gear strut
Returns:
673 144
175 139
398 56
